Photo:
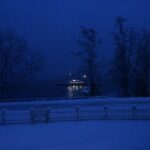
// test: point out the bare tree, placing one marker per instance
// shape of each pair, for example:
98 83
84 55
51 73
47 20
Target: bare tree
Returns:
88 43
125 42
16 63
142 65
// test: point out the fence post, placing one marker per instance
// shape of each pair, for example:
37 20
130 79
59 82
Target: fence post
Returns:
77 112
32 115
3 115
134 109
105 112
47 117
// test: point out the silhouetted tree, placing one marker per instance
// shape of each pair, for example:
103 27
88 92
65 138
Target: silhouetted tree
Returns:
88 43
17 63
125 42
142 65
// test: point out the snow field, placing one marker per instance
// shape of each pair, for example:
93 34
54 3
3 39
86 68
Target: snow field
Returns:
88 135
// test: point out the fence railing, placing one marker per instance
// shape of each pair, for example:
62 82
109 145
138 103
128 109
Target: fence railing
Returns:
45 115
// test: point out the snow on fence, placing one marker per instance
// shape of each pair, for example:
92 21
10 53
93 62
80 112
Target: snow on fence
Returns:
45 115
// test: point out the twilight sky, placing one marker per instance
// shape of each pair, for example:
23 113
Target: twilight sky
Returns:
52 26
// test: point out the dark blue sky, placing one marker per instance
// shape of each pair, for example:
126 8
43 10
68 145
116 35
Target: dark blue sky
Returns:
52 26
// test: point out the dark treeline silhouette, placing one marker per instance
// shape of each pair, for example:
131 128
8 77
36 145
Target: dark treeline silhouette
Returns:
129 70
126 75
18 64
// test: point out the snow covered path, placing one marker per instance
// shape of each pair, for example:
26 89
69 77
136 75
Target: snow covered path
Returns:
87 135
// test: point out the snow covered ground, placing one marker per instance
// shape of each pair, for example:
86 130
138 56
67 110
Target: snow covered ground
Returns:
78 135
78 109
87 135
84 102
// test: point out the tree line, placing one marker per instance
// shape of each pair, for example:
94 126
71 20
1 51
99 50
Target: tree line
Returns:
18 64
129 70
